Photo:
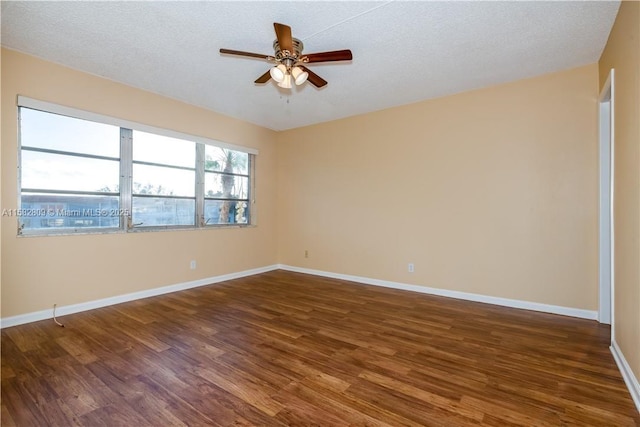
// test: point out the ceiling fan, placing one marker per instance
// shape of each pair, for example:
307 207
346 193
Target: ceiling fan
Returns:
290 61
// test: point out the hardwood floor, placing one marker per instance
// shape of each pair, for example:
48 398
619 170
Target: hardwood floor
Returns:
283 348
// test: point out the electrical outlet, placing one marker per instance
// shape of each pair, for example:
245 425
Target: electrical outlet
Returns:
410 268
306 253
192 264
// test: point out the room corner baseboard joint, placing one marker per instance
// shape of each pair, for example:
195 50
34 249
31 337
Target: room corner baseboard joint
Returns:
627 374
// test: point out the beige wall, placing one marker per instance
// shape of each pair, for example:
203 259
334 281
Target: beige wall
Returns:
623 54
491 192
40 271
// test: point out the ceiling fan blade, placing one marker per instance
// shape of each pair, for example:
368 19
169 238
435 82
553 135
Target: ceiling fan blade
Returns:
249 54
336 55
315 79
264 78
283 33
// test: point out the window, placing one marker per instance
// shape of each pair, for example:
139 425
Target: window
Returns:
81 172
226 186
164 181
69 173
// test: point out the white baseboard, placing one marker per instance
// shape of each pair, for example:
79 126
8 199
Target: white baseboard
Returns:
534 306
76 308
627 374
90 305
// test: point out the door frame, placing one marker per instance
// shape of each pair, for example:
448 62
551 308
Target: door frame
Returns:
606 288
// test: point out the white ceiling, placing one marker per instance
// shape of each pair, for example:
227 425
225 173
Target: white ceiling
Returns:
403 52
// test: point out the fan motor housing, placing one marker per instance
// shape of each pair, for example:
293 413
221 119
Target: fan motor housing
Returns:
297 50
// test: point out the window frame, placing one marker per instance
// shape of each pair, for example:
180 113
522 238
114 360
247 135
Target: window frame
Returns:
140 226
125 190
249 175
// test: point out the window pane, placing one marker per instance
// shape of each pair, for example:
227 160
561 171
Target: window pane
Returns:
225 186
225 212
224 160
48 211
47 171
56 132
149 147
159 180
151 211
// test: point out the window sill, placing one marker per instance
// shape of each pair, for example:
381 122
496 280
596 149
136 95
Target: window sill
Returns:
29 234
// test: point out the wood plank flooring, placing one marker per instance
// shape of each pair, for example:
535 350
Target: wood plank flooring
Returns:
284 348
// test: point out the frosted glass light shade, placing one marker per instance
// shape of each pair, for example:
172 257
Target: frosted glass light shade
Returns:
278 72
286 82
299 75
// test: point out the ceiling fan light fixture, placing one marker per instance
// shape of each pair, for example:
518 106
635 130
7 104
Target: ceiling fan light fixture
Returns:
299 75
287 60
286 81
278 73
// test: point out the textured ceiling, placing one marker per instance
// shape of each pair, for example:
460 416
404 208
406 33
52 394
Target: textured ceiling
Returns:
403 51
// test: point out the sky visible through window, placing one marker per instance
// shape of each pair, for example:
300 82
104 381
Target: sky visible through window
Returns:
148 147
56 132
